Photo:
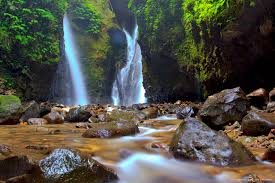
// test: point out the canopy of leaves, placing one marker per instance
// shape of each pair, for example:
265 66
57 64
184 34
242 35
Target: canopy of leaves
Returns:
30 31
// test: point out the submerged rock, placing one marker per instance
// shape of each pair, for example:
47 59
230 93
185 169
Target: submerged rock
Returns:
30 110
227 106
196 141
256 123
78 114
258 98
54 118
66 165
111 129
9 109
4 150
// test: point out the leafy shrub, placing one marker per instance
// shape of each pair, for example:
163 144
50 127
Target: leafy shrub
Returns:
85 16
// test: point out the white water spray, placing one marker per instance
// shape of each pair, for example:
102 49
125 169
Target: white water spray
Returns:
146 168
128 87
80 92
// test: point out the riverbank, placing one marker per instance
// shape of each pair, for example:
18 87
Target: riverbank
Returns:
127 142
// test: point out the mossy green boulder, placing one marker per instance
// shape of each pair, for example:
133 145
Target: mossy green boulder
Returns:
9 106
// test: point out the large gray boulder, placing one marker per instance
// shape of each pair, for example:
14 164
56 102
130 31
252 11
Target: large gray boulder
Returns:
258 98
197 142
227 106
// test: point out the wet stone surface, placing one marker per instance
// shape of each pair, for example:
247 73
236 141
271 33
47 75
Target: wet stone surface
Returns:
196 141
111 129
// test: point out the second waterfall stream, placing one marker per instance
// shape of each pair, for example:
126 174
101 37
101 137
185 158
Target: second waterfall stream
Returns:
128 86
80 96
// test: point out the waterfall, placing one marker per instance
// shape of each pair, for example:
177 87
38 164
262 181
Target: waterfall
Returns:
80 96
128 87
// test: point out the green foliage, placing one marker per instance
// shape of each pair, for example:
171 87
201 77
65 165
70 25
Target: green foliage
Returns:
85 16
219 11
6 82
159 21
183 29
30 31
202 17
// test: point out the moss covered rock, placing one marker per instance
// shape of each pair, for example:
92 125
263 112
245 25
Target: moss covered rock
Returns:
9 104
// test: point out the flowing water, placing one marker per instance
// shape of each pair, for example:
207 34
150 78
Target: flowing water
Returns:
80 96
128 87
134 158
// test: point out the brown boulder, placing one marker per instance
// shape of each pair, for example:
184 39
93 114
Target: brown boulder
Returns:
258 98
37 121
54 118
111 129
258 123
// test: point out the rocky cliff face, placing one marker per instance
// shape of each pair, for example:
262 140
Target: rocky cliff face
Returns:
244 49
183 45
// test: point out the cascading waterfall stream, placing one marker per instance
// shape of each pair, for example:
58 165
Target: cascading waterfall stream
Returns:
80 92
128 87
